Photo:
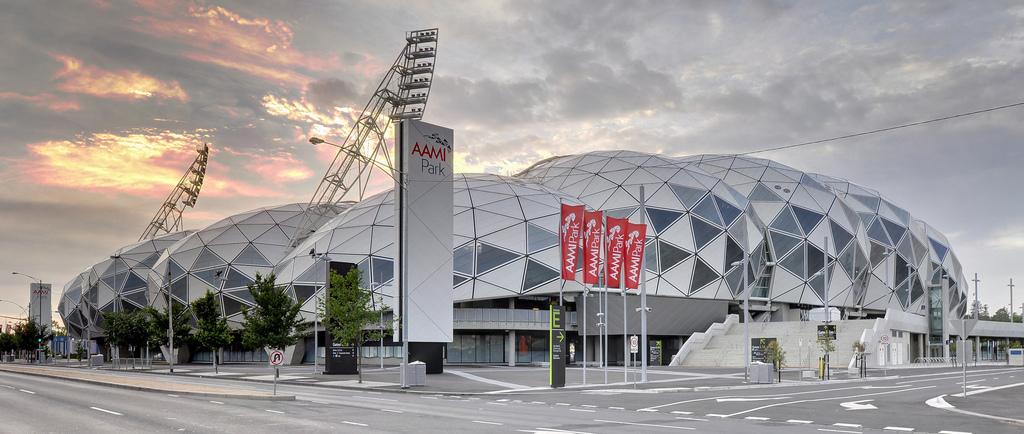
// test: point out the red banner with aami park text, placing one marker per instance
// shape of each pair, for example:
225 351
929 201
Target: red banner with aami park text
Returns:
593 234
636 237
570 235
615 242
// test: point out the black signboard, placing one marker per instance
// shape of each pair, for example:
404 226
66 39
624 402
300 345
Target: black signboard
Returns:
827 332
556 349
340 359
654 356
758 348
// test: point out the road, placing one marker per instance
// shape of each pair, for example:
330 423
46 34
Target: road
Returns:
36 404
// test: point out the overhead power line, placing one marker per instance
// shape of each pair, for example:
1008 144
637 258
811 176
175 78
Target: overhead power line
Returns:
882 130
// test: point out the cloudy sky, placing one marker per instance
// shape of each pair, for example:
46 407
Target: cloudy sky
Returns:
103 102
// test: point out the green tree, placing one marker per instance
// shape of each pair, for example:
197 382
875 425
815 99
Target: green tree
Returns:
157 326
275 320
774 354
212 330
29 336
348 311
8 343
1001 315
127 328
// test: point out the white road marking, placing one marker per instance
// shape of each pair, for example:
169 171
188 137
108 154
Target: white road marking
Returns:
616 408
27 391
582 409
695 419
499 403
561 403
274 411
588 406
717 415
799 421
750 399
390 410
217 402
9 387
847 425
172 395
648 409
487 422
956 432
858 405
682 412
374 398
828 399
990 389
898 428
353 423
645 424
538 402
502 400
938 402
756 418
838 430
107 411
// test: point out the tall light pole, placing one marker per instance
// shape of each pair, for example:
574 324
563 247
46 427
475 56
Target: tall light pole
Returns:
316 310
1011 300
746 317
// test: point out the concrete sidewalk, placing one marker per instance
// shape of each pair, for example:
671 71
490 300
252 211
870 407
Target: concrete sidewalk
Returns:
149 384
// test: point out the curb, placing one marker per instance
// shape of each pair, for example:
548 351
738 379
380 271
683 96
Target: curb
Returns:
157 390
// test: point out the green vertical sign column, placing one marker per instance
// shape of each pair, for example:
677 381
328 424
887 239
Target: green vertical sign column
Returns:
556 349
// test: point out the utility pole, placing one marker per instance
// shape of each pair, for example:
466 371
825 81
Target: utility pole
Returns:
976 297
1011 299
643 295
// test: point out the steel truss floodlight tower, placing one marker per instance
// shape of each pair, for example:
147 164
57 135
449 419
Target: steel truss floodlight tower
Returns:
402 94
184 195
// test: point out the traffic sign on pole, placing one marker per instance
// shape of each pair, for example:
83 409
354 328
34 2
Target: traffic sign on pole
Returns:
634 344
276 357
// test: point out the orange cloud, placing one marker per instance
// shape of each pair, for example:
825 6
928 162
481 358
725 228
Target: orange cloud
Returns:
257 46
45 100
144 162
279 167
75 77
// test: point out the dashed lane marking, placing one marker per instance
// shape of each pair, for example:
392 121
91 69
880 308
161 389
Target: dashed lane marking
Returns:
27 391
648 409
756 418
583 410
561 403
588 406
723 416
107 411
799 421
496 403
353 423
695 419
839 430
898 428
217 402
274 411
9 387
645 424
955 432
616 408
390 410
682 412
487 422
172 395
538 402
847 425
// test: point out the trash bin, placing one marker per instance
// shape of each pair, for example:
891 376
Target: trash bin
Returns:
761 373
416 374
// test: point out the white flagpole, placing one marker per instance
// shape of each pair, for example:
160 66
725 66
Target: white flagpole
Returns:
643 293
603 332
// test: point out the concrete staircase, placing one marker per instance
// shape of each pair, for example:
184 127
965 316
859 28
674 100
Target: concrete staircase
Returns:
797 338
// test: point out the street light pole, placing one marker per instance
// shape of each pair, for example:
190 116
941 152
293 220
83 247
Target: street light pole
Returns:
1011 300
